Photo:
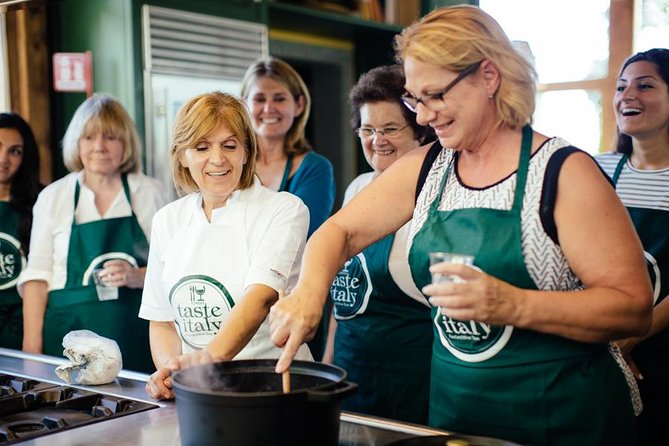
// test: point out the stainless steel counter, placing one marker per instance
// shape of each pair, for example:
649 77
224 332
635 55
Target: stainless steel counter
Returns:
160 426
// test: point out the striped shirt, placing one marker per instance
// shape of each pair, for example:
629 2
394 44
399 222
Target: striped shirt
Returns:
647 189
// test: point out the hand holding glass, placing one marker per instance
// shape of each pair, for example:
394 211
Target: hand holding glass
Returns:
448 257
105 292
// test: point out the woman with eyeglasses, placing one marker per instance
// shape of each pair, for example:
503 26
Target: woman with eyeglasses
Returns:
521 339
382 322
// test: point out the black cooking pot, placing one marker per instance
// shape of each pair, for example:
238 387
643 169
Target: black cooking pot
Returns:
241 403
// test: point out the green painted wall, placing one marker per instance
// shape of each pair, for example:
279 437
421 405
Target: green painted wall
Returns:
105 28
112 31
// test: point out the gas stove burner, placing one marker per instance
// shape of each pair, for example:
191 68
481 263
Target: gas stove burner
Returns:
30 408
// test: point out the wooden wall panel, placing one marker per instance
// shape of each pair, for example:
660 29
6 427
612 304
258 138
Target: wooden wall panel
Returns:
29 76
621 36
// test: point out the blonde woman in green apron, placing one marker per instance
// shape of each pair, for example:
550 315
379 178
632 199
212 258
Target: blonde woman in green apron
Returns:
97 217
520 345
220 254
381 332
19 186
640 171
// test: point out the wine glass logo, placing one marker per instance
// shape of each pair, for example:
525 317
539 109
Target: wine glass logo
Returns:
199 292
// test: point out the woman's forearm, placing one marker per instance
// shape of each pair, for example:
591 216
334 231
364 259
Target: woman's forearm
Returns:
35 297
165 342
324 256
243 322
591 315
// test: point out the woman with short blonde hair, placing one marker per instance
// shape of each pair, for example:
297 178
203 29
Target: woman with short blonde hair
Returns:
520 346
198 119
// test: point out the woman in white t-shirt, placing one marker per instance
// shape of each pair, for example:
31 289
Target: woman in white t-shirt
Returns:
220 254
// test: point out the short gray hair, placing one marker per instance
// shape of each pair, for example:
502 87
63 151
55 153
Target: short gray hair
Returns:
102 113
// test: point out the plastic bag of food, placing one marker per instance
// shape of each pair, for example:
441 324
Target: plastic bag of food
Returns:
94 359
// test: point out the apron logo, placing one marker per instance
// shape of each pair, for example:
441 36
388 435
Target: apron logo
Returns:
655 276
201 305
471 341
11 261
351 288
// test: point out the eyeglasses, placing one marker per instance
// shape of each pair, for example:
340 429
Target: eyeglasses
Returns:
435 101
388 132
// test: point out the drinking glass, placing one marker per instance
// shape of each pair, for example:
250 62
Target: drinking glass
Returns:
449 257
105 292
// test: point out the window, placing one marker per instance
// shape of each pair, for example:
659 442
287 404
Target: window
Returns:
652 24
578 47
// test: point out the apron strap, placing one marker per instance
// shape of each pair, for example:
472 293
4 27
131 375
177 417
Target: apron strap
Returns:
521 175
442 183
619 169
286 173
523 167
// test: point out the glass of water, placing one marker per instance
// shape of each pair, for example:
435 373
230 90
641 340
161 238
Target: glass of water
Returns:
105 292
448 257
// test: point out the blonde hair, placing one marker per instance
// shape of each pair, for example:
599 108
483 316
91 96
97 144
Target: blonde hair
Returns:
295 142
197 119
102 114
459 36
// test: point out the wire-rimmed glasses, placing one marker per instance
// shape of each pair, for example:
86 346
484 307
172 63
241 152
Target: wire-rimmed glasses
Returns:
388 132
435 101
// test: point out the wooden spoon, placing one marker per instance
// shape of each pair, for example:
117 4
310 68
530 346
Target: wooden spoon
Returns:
285 375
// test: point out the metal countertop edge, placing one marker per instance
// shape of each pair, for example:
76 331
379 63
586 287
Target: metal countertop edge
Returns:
364 420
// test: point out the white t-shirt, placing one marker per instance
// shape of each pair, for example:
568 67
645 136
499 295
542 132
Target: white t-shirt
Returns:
398 263
266 229
52 221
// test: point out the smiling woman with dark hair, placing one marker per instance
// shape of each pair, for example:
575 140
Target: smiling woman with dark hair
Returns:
640 171
19 186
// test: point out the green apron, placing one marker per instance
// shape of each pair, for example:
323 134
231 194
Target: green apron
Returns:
77 307
383 338
505 382
12 262
652 354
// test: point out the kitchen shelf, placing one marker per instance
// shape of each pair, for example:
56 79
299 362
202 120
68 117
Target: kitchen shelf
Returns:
327 23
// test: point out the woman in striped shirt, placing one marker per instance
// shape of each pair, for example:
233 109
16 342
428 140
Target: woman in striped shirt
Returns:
639 169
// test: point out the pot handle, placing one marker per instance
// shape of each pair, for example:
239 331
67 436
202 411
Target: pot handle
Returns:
342 390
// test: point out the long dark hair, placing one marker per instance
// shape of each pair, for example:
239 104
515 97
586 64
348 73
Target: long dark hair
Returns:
25 183
658 57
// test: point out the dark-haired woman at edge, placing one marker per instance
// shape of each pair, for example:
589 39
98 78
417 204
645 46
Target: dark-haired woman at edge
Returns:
640 170
19 186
